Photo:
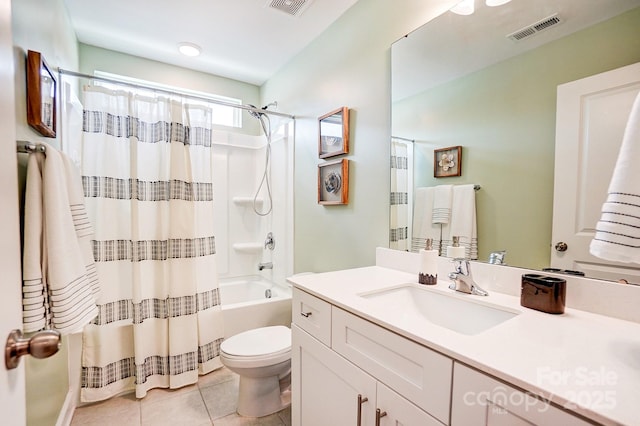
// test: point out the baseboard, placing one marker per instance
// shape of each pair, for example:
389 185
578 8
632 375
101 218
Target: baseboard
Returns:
67 410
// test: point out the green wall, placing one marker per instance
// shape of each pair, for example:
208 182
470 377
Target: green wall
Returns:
94 58
504 117
347 65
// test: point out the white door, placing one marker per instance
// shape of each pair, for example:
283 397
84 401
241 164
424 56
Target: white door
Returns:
590 120
12 391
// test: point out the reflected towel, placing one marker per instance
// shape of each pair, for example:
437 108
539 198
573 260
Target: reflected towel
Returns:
423 227
617 236
442 204
463 221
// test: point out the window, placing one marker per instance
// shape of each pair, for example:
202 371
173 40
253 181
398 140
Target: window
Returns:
223 115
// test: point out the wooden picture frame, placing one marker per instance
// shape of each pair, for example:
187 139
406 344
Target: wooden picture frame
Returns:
41 95
333 133
447 162
333 182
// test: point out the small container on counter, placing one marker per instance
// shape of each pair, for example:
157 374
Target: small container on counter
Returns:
456 251
428 273
543 293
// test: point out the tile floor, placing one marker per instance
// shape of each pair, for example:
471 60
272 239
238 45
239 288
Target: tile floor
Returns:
212 401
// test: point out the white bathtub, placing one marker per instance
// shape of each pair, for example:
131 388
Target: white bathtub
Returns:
252 302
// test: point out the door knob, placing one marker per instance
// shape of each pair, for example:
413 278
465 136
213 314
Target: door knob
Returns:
43 344
561 246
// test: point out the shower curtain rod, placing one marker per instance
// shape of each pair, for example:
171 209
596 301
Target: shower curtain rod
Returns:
403 139
169 92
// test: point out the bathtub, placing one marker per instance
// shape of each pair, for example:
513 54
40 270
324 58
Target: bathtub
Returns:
252 302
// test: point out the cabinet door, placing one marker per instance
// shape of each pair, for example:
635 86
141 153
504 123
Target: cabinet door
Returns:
419 374
400 412
325 386
481 400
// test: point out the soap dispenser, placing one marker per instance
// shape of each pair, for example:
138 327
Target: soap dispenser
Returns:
428 273
456 251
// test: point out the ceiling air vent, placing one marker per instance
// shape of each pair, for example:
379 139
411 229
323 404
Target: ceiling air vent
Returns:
290 7
535 28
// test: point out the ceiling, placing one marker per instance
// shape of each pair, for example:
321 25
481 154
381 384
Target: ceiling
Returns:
452 46
246 40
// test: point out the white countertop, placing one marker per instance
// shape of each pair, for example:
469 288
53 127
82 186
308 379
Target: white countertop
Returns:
587 363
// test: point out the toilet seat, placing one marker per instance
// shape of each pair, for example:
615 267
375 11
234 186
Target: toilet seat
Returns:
258 347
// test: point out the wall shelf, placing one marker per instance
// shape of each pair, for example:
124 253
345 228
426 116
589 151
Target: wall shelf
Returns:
247 201
248 248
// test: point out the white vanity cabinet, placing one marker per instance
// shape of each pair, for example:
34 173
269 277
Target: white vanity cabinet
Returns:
329 389
481 400
345 369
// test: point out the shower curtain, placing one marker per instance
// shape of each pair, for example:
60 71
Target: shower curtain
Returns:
147 178
399 198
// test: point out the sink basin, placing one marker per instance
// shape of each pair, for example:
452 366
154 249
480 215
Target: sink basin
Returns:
448 311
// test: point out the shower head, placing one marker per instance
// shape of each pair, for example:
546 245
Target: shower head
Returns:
259 114
254 113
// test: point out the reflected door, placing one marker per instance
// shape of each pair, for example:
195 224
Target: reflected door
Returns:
591 117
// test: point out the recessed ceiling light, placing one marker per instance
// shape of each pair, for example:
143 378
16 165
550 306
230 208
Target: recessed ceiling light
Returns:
493 3
465 7
189 49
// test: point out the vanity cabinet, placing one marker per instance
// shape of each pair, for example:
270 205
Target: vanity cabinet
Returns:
328 388
345 369
481 400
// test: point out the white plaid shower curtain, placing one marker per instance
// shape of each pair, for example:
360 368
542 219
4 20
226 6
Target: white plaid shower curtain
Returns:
399 197
147 178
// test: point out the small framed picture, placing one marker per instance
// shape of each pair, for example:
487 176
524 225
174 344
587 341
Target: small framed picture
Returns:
333 182
41 95
447 162
333 138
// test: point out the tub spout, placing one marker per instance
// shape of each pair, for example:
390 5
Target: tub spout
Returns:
265 265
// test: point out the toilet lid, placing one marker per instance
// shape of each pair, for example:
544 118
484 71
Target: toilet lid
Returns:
259 341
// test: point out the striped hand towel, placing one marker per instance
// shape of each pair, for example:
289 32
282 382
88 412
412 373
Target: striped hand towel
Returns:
423 228
463 221
442 204
617 236
60 282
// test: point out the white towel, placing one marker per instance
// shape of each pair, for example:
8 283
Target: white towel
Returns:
423 227
617 235
60 284
442 204
463 220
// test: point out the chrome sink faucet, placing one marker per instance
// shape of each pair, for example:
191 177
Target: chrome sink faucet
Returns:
462 279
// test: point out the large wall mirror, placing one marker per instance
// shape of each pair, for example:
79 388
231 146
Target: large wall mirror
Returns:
462 80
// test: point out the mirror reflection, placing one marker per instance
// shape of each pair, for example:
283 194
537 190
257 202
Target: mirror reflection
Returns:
488 82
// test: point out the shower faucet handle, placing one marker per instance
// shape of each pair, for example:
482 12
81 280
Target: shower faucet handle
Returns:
270 242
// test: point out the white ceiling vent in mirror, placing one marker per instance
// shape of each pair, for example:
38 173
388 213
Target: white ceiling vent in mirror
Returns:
290 7
528 31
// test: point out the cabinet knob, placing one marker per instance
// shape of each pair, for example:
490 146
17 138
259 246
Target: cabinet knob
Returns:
379 415
306 314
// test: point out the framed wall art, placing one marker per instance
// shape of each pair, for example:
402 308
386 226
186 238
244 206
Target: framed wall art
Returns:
334 133
41 95
447 162
333 182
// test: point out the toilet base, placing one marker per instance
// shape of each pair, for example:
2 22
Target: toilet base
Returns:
260 397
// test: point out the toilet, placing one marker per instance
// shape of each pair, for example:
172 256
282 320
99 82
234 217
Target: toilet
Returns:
262 359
